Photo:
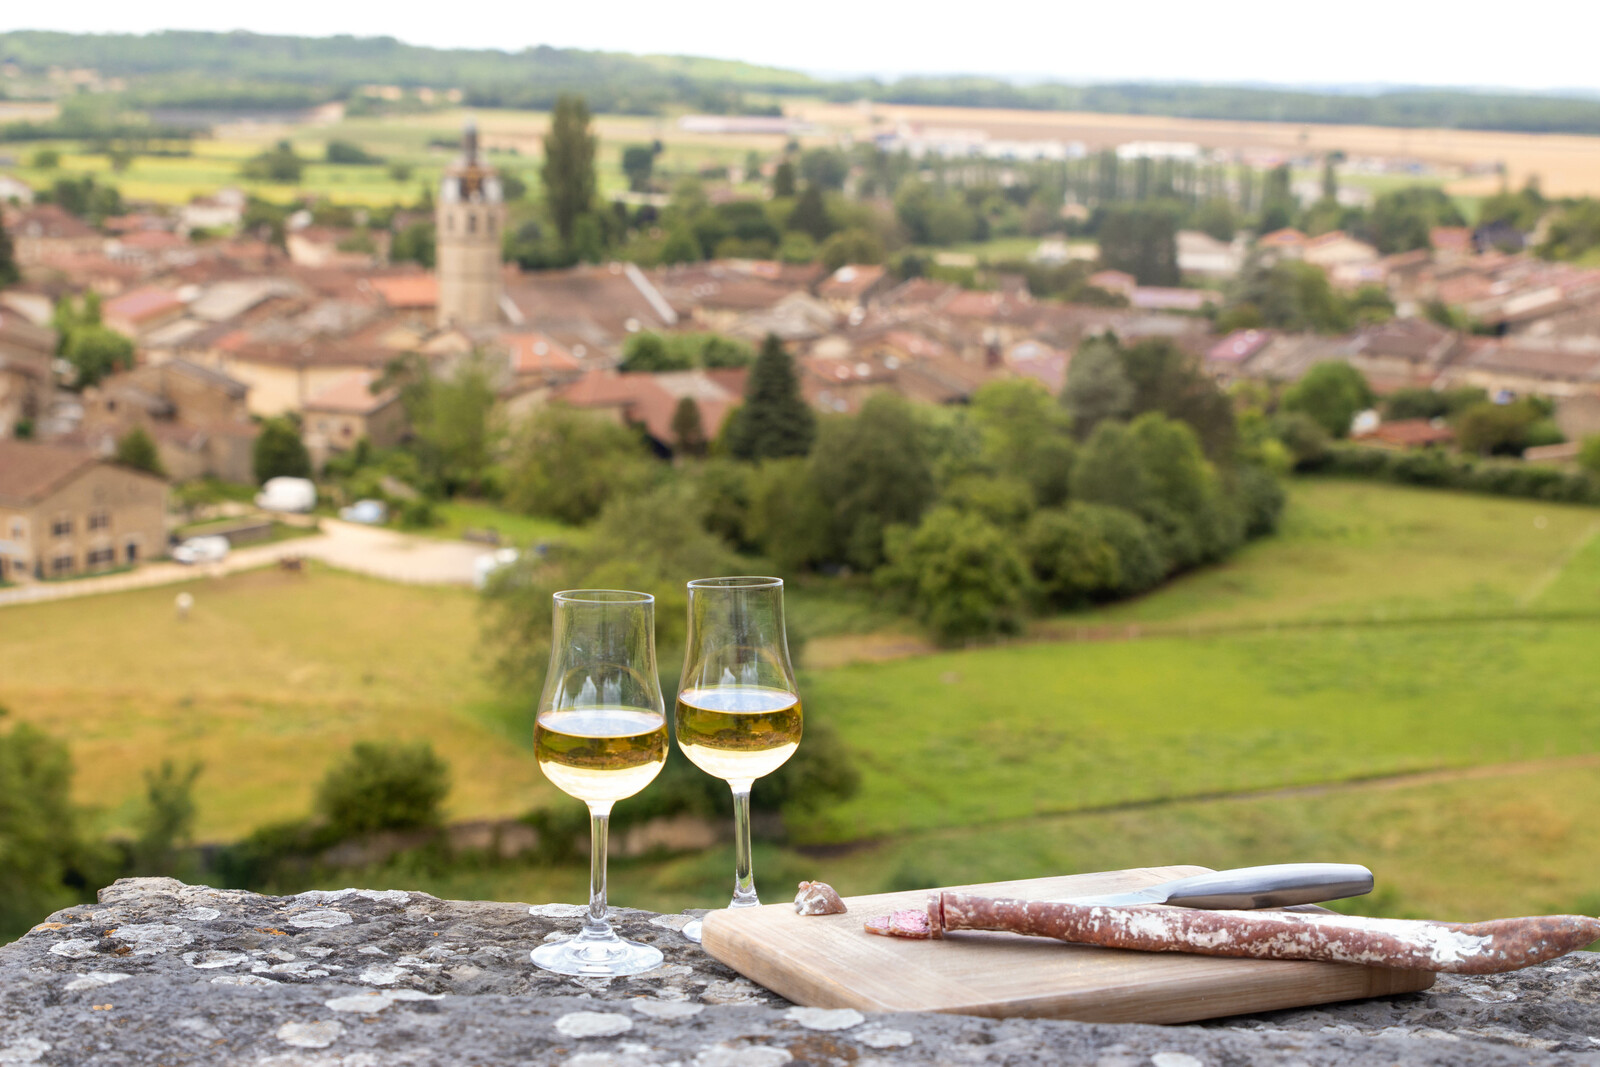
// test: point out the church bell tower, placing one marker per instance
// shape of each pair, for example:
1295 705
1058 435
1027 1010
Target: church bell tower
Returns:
470 216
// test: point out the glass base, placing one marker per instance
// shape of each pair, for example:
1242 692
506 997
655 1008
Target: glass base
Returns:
597 958
691 930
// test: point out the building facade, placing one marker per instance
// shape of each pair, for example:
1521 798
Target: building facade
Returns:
64 511
470 217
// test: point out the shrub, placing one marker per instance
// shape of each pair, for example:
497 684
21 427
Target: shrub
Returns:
1261 498
960 573
387 786
1071 559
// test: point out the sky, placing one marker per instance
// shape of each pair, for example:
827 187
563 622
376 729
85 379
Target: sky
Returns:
1350 42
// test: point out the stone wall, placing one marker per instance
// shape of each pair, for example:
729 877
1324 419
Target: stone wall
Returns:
164 973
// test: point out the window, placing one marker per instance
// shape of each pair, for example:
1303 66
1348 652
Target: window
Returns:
62 526
62 565
99 519
472 222
19 530
100 557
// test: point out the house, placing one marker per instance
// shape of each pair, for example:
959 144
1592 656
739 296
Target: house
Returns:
536 359
15 190
223 210
417 293
1167 298
1337 253
1114 281
198 417
1200 253
649 401
1450 243
47 233
141 311
339 249
348 410
65 511
1287 243
853 286
26 382
1228 357
1408 433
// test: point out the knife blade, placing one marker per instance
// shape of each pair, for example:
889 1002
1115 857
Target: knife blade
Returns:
1275 885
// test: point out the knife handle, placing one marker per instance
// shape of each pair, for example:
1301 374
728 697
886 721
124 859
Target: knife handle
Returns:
1274 886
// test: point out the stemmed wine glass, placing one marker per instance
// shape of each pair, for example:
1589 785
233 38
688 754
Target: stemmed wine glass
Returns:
738 715
601 736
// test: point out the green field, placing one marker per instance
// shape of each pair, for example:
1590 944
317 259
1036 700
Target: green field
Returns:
1387 632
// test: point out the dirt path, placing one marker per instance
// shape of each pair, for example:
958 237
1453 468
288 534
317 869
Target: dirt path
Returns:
373 551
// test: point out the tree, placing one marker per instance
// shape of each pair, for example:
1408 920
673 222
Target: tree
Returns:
38 827
1402 219
789 520
167 821
1333 393
10 274
810 215
1025 436
854 245
783 180
775 420
1277 199
96 351
279 452
681 246
825 167
417 243
1574 231
384 786
873 471
568 171
1097 388
566 464
961 574
1168 380
1142 240
1071 561
648 351
350 153
452 419
638 160
276 164
1589 455
1289 295
1217 218
137 449
688 430
1499 429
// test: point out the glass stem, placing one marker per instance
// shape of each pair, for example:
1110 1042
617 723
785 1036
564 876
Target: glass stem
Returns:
744 878
595 926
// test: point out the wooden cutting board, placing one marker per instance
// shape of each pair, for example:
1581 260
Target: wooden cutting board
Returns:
829 961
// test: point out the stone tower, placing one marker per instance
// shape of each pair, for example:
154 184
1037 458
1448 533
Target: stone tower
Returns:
470 216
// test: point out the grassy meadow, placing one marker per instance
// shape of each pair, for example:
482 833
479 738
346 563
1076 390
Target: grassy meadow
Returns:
1401 677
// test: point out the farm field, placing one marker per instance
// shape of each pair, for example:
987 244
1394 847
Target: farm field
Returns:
1402 677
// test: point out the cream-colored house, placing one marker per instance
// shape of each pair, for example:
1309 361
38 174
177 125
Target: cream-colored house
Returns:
65 511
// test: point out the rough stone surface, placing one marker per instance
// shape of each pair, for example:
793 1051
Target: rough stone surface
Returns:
161 972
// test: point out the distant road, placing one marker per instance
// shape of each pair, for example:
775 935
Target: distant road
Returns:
380 553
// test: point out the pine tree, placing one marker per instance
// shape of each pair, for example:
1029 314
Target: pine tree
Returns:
783 180
568 170
136 449
688 429
775 420
810 215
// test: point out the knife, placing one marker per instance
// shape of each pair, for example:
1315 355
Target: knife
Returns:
1276 885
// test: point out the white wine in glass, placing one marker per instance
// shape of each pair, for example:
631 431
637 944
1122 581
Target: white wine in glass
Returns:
738 715
600 736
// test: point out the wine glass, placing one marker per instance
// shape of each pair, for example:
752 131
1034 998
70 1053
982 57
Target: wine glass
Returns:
738 714
601 736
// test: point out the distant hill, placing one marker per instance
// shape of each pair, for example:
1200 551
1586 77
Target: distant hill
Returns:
246 70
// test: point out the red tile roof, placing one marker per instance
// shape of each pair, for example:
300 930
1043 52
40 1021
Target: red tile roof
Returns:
1239 346
1288 237
1451 238
142 305
408 291
352 394
1411 433
850 281
536 353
